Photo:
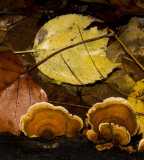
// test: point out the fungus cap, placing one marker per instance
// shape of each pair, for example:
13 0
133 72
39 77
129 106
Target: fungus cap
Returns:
44 119
140 128
74 125
92 136
120 135
141 146
113 110
105 130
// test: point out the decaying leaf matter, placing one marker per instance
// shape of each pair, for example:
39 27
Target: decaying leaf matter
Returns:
17 97
67 30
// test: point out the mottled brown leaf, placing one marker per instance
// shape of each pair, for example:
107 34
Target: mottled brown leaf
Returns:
132 69
16 98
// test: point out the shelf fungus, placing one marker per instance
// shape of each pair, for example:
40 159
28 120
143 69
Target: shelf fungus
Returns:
120 135
92 136
141 146
114 119
46 120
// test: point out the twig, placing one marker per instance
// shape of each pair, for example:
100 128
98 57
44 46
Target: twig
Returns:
55 53
128 52
73 105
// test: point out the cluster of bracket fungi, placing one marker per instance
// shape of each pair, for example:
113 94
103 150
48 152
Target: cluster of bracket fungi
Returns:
113 121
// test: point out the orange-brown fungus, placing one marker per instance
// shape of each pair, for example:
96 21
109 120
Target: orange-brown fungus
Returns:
74 125
113 110
120 135
140 128
105 130
141 146
92 136
44 119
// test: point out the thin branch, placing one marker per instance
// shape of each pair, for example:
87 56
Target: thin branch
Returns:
128 52
108 85
73 105
55 53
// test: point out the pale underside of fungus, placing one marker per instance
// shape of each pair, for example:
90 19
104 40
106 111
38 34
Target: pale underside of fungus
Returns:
114 119
88 62
45 120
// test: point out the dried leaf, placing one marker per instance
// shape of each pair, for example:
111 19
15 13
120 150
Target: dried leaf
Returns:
127 7
21 36
7 5
121 80
16 98
132 69
51 37
132 36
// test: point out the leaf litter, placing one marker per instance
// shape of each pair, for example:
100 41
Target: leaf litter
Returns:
60 97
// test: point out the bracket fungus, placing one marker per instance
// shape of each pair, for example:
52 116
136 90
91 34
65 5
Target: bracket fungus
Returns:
113 119
46 120
92 136
141 146
120 135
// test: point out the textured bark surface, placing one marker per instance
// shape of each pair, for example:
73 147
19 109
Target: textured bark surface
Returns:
22 148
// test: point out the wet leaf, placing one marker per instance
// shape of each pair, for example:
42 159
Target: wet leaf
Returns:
136 98
132 69
124 7
16 98
132 36
51 38
21 36
7 5
121 80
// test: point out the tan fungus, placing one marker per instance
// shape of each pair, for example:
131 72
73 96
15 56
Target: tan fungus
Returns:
113 110
44 119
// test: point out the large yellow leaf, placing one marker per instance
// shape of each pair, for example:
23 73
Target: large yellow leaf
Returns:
64 31
136 98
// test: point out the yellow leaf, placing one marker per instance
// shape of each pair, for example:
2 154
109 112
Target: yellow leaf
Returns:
136 98
64 31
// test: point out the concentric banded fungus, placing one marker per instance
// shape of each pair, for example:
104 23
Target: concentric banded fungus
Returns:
44 119
105 130
113 110
92 136
73 126
120 135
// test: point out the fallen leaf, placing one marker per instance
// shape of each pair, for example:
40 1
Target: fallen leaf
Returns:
132 36
21 36
136 98
11 5
121 80
124 7
16 98
132 69
51 38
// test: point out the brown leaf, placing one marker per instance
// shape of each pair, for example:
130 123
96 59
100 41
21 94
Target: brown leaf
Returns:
124 7
132 69
16 98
